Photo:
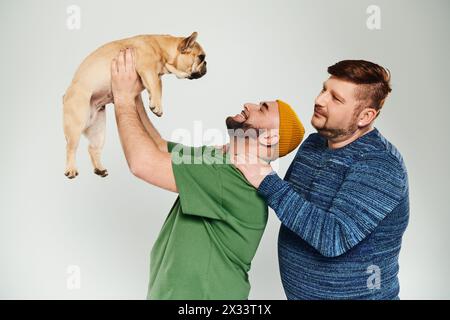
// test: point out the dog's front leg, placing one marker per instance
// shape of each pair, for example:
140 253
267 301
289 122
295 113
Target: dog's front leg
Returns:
152 82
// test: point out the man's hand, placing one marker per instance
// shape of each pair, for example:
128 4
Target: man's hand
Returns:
253 168
125 82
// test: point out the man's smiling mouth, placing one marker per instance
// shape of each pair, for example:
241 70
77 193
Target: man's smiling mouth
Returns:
316 111
242 115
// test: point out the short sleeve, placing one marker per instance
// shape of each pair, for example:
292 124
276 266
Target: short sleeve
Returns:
198 182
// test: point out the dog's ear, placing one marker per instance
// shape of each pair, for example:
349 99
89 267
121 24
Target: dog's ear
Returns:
187 43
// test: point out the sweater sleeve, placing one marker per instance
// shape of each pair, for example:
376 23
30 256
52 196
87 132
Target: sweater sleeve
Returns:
370 190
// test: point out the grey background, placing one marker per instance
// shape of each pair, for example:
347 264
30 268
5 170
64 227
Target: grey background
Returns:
256 50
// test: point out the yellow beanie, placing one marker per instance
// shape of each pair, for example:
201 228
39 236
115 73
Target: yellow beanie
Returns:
291 129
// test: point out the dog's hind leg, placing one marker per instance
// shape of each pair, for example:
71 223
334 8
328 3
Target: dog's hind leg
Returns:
95 133
76 111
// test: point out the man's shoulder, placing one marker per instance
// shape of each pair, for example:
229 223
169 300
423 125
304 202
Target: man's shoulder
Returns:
314 138
313 143
377 160
384 154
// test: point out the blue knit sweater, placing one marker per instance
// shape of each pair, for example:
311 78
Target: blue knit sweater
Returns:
343 213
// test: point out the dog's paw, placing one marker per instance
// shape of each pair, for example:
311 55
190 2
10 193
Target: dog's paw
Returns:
71 173
156 108
101 173
159 112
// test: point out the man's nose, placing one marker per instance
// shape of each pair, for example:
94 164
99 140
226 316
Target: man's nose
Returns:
250 106
321 99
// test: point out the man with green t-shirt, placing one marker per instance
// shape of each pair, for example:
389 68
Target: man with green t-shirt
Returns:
207 243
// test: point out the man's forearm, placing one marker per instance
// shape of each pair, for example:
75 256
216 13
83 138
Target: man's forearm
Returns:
136 142
145 160
151 130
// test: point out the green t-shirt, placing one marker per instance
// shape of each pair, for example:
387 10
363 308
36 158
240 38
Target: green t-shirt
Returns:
206 245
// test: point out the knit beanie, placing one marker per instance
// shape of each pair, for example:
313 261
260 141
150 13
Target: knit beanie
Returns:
291 130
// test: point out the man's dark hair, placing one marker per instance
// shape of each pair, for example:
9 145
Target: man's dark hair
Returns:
373 80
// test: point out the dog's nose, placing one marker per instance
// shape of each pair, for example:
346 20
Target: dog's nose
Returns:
195 75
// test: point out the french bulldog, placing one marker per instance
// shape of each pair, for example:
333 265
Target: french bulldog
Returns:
85 99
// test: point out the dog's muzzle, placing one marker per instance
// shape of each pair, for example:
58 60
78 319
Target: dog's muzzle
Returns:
198 74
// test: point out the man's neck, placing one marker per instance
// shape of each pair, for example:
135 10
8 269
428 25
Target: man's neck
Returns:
244 150
342 142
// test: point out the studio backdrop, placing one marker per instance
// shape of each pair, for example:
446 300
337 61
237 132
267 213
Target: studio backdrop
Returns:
90 237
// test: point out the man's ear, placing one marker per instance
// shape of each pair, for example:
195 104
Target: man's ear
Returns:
366 116
187 43
269 138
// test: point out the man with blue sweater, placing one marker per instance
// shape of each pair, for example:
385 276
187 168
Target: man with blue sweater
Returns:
344 202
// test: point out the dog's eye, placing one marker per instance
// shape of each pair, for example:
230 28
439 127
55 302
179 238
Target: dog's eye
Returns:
202 57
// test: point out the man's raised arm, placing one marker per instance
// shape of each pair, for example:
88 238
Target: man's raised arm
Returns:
148 125
145 160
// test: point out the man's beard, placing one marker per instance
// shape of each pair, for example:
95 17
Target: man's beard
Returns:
240 129
335 133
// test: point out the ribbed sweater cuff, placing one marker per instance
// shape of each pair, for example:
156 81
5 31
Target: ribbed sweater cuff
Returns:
270 185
